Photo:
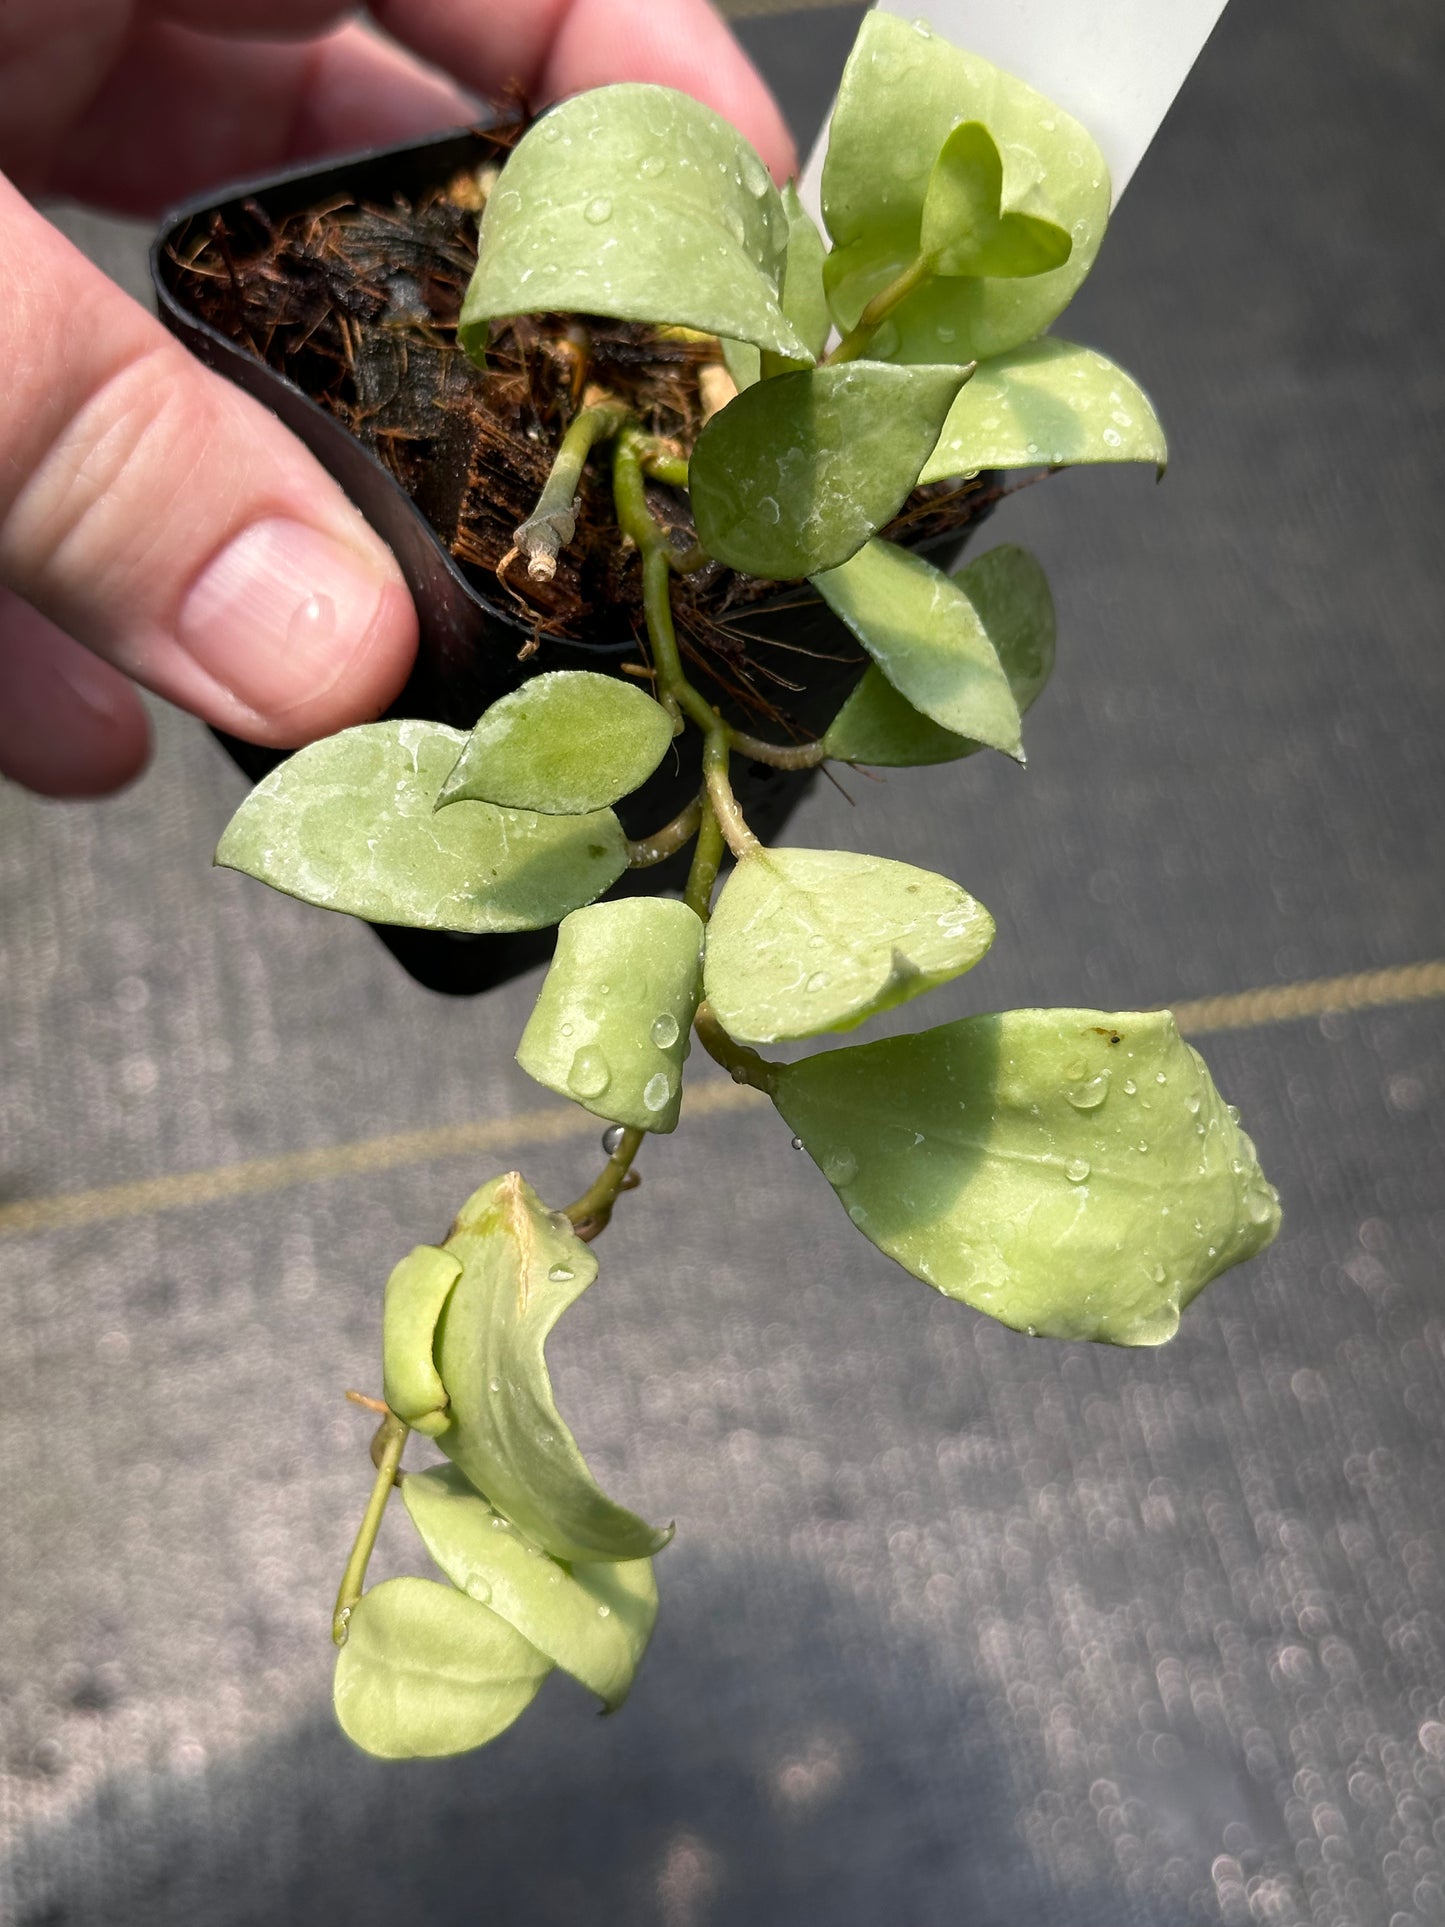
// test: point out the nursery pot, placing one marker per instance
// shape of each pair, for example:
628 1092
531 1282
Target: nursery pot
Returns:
473 647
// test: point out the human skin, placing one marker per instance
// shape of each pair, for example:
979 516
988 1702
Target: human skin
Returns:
156 525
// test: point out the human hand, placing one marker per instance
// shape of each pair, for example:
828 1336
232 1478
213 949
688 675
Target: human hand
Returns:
156 525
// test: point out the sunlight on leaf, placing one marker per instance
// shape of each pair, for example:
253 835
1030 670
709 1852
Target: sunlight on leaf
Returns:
593 1621
638 202
350 823
1069 1172
1008 590
796 473
566 743
931 642
1047 403
807 941
427 1672
903 93
522 1267
613 1020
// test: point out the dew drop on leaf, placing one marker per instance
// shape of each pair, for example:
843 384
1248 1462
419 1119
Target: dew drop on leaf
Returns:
841 1168
1076 1170
1130 1087
598 210
664 1030
590 1073
561 1274
612 1139
604 1612
797 1144
1089 1093
656 1091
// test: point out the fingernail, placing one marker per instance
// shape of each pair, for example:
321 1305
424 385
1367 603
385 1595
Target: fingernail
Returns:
277 615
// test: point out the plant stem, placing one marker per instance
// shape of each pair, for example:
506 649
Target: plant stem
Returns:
391 1440
778 755
743 1065
553 522
663 464
592 1211
667 841
857 340
706 858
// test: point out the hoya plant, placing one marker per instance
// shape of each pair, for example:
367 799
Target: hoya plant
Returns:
1072 1173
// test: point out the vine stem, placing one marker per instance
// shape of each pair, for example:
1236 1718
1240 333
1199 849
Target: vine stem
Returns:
553 522
593 1210
666 842
859 337
387 1448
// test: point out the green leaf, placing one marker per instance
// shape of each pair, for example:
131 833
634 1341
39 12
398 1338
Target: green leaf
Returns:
593 1621
931 641
1011 596
521 1268
426 1672
964 227
1066 1171
798 472
564 744
349 824
415 1294
1048 402
637 202
805 301
902 94
612 1024
806 941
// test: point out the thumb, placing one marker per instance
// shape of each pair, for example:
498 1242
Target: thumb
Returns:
172 525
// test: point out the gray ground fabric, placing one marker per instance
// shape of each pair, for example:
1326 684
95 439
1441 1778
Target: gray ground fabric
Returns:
957 1627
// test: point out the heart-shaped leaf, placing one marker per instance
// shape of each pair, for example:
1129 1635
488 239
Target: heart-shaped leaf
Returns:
521 1268
612 1023
798 472
350 823
965 229
593 1621
637 202
805 301
426 1672
566 743
903 92
1011 596
415 1293
1047 402
1066 1171
806 941
925 633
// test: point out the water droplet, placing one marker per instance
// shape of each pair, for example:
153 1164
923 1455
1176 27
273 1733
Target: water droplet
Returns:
1090 1094
1260 1207
841 1168
561 1274
1160 1078
598 210
1142 1145
494 1385
797 1144
604 1612
1156 1272
664 1031
590 1073
1111 437
1031 1331
566 1030
657 1090
1191 1103
1077 1070
550 130
1076 1170
733 222
946 334
923 30
818 981
1130 1087
756 178
480 1590
612 1139
1233 1111
768 510
498 1524
885 342
652 165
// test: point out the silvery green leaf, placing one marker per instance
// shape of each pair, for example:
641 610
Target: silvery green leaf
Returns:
612 1022
350 824
522 1267
593 1621
928 637
565 744
903 92
415 1293
805 302
1047 403
637 202
807 941
1069 1172
427 1672
1008 590
965 228
796 473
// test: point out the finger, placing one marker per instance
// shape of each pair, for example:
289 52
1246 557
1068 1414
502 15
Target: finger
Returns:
181 111
70 725
170 523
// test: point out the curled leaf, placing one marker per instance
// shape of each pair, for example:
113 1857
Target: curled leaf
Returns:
638 202
796 473
925 633
350 823
965 227
1047 403
522 1267
612 1022
427 1672
415 1293
1069 1172
566 743
593 1621
807 941
1010 594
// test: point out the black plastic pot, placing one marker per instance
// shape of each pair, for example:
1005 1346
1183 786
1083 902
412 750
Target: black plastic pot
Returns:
469 644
